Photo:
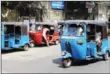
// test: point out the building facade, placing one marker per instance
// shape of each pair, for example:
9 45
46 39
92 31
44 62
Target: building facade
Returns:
103 13
52 14
55 11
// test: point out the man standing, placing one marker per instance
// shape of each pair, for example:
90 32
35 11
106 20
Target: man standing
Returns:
45 30
98 40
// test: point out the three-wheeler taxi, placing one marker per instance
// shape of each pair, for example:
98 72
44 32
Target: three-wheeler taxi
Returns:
79 40
44 33
14 35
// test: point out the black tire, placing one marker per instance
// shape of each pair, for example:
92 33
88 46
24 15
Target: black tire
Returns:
32 45
105 56
109 54
26 47
66 63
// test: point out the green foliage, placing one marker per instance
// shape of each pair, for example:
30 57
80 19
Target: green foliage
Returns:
11 8
10 4
15 4
24 8
11 15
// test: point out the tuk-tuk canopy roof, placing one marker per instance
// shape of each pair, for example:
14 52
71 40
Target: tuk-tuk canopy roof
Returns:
21 23
13 23
96 22
47 23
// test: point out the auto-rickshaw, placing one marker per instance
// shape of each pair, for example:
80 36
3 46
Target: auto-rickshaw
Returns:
36 33
78 40
14 35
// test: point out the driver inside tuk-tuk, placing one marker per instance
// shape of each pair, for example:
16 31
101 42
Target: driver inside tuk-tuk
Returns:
76 30
98 41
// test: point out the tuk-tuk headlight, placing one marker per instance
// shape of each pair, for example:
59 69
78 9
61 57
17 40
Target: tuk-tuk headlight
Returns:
64 53
80 42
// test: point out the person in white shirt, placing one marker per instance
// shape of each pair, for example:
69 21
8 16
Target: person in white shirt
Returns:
80 30
98 40
45 30
98 37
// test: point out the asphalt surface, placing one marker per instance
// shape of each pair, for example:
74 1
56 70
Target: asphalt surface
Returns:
47 60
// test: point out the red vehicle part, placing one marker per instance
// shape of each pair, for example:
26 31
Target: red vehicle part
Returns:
55 37
36 37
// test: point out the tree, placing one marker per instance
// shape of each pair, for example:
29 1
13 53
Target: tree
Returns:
24 8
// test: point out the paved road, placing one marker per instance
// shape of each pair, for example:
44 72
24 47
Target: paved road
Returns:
47 60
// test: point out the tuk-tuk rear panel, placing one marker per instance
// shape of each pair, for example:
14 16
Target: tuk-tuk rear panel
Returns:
15 39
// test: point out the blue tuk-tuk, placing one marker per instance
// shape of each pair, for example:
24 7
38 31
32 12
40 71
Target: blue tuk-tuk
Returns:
78 40
14 35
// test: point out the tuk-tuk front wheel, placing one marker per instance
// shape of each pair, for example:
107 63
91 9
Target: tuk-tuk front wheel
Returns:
66 63
26 47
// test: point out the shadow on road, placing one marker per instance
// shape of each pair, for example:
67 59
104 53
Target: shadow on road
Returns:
78 63
43 45
20 50
11 51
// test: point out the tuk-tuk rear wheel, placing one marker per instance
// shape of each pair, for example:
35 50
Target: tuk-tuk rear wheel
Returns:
66 63
109 53
105 56
31 45
26 47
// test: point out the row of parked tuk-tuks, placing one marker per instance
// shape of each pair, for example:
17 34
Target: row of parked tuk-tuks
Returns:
79 39
20 35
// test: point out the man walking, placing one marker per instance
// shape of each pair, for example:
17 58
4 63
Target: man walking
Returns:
45 30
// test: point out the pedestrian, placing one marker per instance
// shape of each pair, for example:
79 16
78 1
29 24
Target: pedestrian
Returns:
98 40
45 30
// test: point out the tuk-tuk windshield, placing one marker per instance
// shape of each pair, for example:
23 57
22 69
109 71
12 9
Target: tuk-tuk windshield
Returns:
73 30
